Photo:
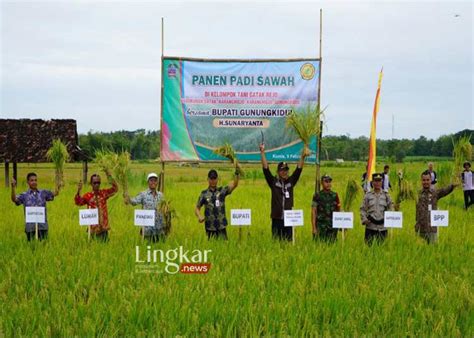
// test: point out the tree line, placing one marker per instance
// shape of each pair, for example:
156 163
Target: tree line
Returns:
145 145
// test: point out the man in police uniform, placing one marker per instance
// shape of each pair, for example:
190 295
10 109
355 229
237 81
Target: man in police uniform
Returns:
282 193
372 210
324 204
213 199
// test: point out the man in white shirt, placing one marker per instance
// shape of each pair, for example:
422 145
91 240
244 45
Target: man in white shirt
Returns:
385 179
467 185
434 176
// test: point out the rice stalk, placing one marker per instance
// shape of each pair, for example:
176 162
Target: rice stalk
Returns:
305 124
352 191
168 213
405 192
228 152
106 160
59 155
462 152
122 170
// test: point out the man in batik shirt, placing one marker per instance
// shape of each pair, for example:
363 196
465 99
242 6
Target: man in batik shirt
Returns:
97 199
213 199
34 197
150 200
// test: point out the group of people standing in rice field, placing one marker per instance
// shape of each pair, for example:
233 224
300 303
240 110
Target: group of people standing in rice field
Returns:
376 201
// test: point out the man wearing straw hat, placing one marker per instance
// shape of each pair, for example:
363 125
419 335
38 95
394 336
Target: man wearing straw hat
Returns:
97 199
281 187
150 200
372 210
324 204
34 197
213 200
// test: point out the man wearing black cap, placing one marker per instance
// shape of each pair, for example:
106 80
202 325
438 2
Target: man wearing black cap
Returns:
324 204
282 193
467 178
372 210
213 200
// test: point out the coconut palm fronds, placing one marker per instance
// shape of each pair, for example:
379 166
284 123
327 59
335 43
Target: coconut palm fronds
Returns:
228 152
352 191
168 213
122 170
59 155
106 160
405 192
305 124
462 152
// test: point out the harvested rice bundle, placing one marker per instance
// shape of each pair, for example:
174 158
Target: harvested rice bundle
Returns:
106 160
305 124
352 191
462 152
122 170
59 155
405 192
227 151
168 213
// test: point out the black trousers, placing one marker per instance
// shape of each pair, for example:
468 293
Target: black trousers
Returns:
374 235
280 231
326 235
218 234
42 234
468 198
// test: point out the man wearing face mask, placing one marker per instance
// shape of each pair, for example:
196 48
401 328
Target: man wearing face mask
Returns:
97 199
213 200
150 200
282 193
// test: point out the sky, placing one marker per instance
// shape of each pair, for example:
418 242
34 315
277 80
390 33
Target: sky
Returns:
99 62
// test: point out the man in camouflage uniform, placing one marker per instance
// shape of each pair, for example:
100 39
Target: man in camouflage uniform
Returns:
213 200
427 201
372 210
324 204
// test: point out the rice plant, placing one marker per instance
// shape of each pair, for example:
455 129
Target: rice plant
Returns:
462 152
228 152
353 189
168 212
59 155
106 160
405 192
305 124
122 170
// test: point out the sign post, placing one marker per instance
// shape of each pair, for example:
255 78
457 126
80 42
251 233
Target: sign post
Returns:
293 218
439 218
393 219
240 217
35 215
88 217
343 220
144 218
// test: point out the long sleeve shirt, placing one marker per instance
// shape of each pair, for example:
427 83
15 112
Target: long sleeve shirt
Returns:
427 201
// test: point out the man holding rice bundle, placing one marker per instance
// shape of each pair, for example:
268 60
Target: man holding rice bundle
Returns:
324 204
467 179
372 211
34 197
281 187
213 200
150 200
427 201
97 199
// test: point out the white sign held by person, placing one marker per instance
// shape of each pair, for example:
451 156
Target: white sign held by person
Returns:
439 218
343 220
144 218
240 217
88 216
393 219
293 218
35 215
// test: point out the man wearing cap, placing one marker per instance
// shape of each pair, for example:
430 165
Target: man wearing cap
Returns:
324 204
150 200
213 200
467 179
372 210
428 200
281 187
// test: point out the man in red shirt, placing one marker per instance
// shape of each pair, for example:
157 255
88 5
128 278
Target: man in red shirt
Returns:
97 199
